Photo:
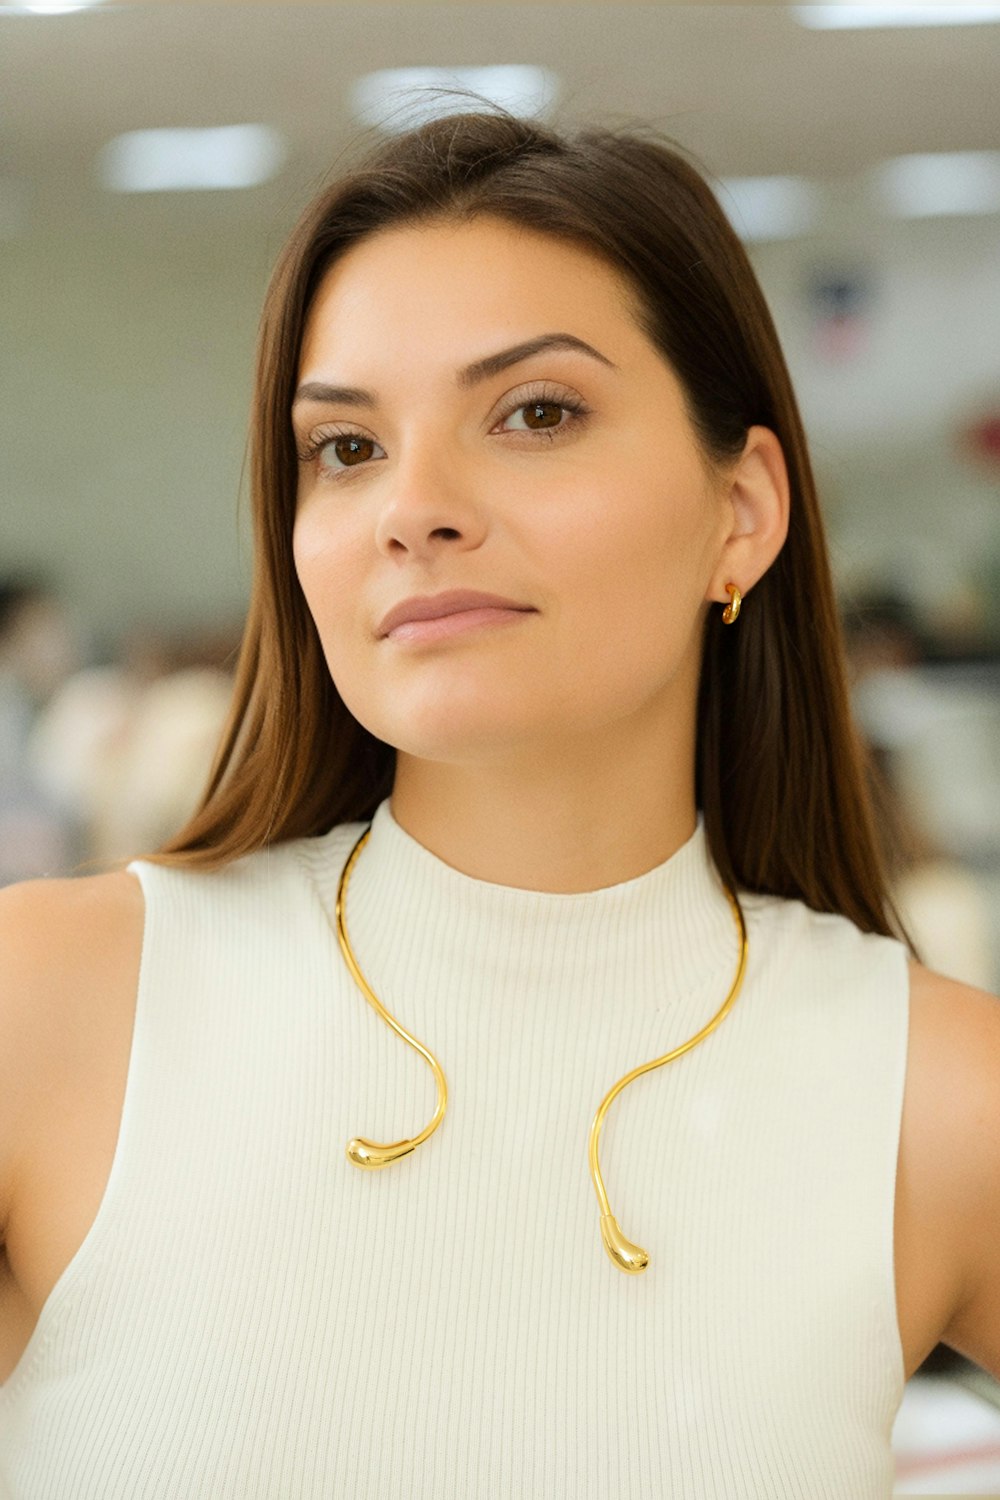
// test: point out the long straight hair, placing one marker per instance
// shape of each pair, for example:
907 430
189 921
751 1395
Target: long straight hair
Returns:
787 785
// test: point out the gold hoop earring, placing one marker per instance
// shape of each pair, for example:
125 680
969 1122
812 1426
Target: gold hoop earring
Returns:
732 609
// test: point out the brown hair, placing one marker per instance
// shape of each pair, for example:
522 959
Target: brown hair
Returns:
782 774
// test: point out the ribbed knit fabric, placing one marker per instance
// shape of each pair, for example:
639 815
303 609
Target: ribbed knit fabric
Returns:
253 1316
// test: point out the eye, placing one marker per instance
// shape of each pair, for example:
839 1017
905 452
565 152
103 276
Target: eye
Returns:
540 407
343 444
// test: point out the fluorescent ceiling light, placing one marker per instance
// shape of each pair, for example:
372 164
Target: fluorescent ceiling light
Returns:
520 87
770 208
945 182
51 7
175 160
842 14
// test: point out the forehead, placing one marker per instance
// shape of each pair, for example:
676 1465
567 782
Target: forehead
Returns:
445 285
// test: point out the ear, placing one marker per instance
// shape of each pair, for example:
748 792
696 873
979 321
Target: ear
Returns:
755 502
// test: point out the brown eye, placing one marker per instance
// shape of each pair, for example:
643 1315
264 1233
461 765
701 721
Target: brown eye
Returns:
547 414
542 410
346 447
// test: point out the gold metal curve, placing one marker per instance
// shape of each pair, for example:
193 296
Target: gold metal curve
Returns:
361 1152
627 1256
632 1258
732 609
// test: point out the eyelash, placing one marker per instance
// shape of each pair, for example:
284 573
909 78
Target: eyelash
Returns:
578 412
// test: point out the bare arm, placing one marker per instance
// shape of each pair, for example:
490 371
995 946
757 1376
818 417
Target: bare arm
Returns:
28 914
961 1150
67 948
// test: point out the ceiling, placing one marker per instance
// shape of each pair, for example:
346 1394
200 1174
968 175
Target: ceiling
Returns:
746 87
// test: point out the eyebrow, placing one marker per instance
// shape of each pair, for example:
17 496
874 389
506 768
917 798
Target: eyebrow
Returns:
479 370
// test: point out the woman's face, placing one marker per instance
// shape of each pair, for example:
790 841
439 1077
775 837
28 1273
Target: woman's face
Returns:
603 521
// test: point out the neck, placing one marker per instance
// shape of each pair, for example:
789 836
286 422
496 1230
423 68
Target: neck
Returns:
551 833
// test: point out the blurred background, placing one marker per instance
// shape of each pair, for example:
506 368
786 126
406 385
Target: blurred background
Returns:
155 157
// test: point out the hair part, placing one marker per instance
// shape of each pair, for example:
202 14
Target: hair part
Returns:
789 790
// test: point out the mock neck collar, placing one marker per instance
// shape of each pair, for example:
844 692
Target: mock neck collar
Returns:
407 910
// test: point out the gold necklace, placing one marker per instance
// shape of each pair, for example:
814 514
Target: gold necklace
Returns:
364 1153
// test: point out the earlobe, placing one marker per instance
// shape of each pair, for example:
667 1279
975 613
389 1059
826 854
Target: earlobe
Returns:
758 490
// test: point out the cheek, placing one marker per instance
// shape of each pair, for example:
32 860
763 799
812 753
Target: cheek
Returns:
322 566
331 590
627 575
631 556
306 551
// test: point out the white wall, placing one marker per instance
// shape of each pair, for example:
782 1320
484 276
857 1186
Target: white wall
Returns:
127 380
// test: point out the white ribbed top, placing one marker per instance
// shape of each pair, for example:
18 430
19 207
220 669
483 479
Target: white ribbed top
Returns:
253 1316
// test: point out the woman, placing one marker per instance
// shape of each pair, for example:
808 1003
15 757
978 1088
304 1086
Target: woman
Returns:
514 859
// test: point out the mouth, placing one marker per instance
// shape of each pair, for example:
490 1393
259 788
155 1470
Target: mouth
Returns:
462 622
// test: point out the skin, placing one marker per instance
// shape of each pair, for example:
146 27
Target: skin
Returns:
555 753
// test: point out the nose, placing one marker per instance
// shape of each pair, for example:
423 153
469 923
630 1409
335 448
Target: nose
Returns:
427 502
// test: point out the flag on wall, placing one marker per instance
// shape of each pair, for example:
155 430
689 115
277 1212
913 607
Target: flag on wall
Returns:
840 301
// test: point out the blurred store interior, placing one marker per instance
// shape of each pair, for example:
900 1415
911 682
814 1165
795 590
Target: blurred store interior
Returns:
152 168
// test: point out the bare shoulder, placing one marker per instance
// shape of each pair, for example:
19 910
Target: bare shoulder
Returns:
69 949
951 1139
47 923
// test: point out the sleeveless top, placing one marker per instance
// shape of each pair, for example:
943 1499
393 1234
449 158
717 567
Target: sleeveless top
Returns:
251 1315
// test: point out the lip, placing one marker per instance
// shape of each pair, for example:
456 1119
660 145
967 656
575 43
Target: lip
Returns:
437 606
442 627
